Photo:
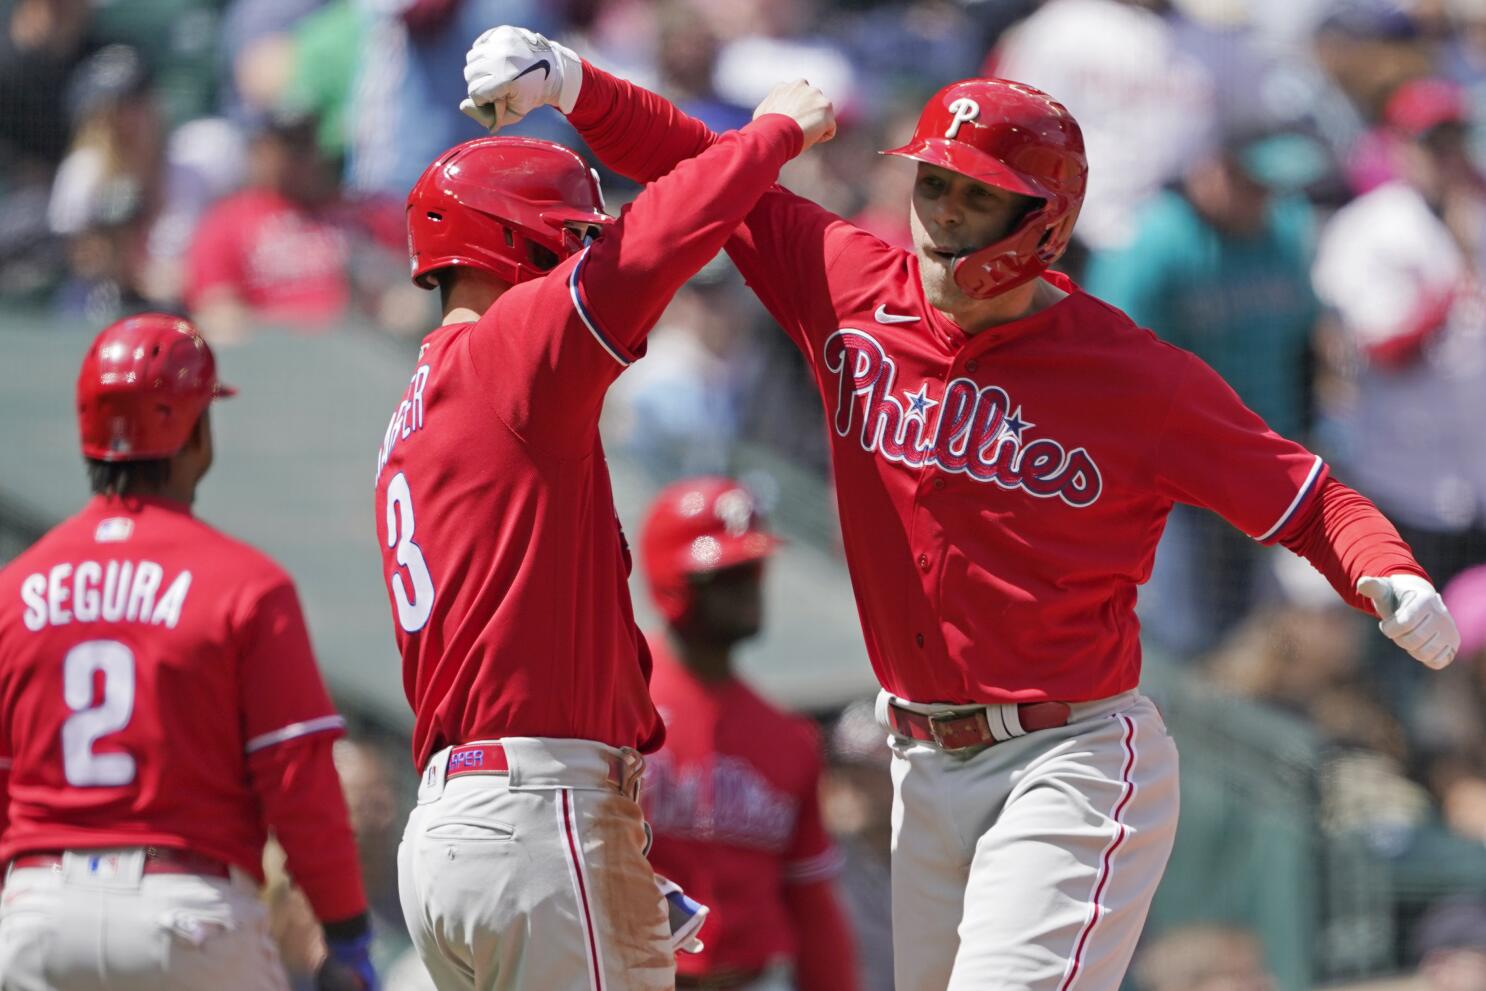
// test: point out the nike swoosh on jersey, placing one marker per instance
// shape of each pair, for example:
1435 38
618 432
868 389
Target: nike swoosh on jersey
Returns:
544 65
883 316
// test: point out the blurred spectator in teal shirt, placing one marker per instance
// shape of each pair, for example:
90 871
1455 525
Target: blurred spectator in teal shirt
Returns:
1220 265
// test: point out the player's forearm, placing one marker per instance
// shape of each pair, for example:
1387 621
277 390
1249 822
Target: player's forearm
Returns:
1346 537
300 792
632 131
825 959
680 222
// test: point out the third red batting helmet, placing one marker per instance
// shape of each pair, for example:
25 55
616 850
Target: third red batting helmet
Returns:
509 206
144 383
695 526
1017 138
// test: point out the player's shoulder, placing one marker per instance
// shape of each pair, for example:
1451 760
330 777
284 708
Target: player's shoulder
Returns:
1104 327
251 566
865 270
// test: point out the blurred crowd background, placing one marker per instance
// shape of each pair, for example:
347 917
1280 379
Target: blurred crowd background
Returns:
1293 189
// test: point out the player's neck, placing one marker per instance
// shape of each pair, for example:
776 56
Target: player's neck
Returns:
180 494
977 315
709 662
470 294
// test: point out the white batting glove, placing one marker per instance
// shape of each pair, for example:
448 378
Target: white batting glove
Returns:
510 71
1414 617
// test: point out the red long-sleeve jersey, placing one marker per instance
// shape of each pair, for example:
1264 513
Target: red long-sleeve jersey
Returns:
505 565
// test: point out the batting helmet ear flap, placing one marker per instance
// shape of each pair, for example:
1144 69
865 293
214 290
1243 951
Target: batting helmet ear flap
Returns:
1011 136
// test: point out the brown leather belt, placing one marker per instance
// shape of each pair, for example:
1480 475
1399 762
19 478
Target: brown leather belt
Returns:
963 730
157 860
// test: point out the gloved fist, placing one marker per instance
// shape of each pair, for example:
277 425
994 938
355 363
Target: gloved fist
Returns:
349 966
1414 617
510 71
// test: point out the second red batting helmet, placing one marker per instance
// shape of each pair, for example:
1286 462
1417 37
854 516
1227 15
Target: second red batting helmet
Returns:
144 383
695 526
1013 137
513 207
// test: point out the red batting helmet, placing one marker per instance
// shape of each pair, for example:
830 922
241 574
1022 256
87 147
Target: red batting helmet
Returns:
695 526
1017 138
144 383
503 205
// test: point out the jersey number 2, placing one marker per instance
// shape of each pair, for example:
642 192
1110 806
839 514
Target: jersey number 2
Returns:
412 612
88 722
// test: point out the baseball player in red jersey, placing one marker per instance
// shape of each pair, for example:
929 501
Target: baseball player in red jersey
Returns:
733 797
523 864
160 712
1006 450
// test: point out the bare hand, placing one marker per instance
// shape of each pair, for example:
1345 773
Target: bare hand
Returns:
806 105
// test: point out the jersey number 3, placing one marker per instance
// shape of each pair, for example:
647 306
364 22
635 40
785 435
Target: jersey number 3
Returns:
412 612
88 722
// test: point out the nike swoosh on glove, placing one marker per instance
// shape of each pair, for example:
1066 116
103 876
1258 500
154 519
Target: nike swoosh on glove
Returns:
510 71
1414 617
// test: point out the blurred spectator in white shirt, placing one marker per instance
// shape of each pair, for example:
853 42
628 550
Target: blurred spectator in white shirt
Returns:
1402 268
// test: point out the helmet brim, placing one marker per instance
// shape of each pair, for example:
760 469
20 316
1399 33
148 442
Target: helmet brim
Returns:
962 158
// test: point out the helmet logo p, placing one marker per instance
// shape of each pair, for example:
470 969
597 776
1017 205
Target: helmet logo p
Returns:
965 110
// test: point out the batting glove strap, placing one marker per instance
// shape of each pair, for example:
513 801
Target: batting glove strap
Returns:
686 916
353 954
1414 617
510 71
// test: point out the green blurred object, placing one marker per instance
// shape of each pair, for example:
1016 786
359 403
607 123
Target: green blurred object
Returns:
327 52
178 39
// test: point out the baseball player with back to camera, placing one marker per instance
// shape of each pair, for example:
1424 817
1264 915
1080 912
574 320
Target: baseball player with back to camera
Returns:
734 796
522 865
1006 449
160 711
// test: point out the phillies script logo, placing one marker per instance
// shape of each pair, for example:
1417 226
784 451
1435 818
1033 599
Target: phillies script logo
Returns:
975 432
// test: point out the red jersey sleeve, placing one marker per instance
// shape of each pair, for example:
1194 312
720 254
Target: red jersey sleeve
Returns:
213 259
4 780
289 724
1344 536
811 855
825 956
787 247
303 804
1214 452
282 693
551 347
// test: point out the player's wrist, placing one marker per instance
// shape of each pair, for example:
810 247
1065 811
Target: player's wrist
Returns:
570 75
348 929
